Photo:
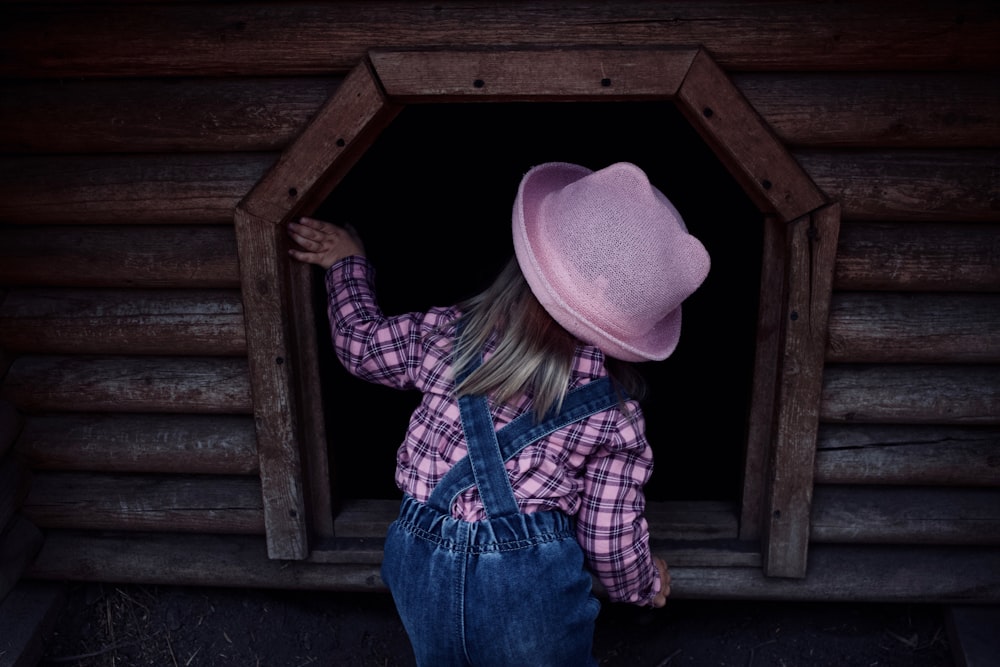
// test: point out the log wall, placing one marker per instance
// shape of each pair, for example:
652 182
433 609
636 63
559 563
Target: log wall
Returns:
129 133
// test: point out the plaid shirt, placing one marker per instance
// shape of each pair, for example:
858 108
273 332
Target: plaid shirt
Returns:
594 469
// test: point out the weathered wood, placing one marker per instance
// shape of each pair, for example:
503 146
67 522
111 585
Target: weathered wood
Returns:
129 384
916 394
532 74
112 321
908 185
127 189
153 115
744 143
204 444
273 369
877 109
100 501
812 245
19 545
836 572
906 515
918 257
27 617
181 256
914 328
904 454
767 355
224 39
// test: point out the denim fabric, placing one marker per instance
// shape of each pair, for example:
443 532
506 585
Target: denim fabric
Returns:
510 591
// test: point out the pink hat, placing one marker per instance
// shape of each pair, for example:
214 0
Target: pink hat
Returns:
608 256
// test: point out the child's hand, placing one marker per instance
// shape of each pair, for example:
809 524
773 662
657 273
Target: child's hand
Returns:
322 243
661 597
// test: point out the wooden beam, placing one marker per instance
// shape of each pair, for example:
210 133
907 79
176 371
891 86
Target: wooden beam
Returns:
126 189
744 143
157 443
531 74
930 455
128 384
922 256
143 256
115 321
181 503
874 573
812 245
911 393
900 327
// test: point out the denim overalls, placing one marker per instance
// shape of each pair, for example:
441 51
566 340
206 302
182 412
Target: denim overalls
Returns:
510 590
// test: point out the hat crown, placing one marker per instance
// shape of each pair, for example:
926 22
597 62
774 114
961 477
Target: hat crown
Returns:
607 255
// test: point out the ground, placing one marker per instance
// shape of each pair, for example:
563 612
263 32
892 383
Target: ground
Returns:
108 625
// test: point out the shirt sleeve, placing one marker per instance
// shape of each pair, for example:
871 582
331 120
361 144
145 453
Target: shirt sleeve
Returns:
379 349
611 525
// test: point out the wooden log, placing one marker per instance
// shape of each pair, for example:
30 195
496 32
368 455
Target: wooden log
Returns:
903 454
928 257
111 321
903 327
100 501
909 185
155 115
906 515
877 109
252 40
28 616
192 444
916 394
181 256
507 75
19 545
876 573
129 384
127 189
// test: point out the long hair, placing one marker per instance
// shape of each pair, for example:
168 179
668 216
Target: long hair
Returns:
533 352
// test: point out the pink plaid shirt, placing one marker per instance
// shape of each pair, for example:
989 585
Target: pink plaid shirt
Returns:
594 469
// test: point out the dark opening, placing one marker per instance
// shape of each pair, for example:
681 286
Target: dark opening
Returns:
432 199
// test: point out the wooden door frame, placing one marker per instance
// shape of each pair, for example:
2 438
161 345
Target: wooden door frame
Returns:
801 229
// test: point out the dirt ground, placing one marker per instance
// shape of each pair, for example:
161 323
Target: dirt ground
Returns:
107 625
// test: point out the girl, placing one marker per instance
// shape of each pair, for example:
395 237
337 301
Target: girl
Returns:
523 467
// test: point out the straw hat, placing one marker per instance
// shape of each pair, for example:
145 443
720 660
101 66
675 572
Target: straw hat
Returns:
608 256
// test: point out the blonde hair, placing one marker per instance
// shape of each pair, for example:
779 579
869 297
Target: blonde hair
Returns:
533 352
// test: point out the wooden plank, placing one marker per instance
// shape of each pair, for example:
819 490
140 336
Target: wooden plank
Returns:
928 185
159 443
836 572
101 501
156 115
28 616
905 515
918 257
902 327
326 149
911 393
767 355
19 545
168 39
744 143
877 109
114 321
276 409
154 256
904 454
812 245
531 74
127 189
129 384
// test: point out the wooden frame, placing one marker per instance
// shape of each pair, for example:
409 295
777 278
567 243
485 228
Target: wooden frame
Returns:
801 230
